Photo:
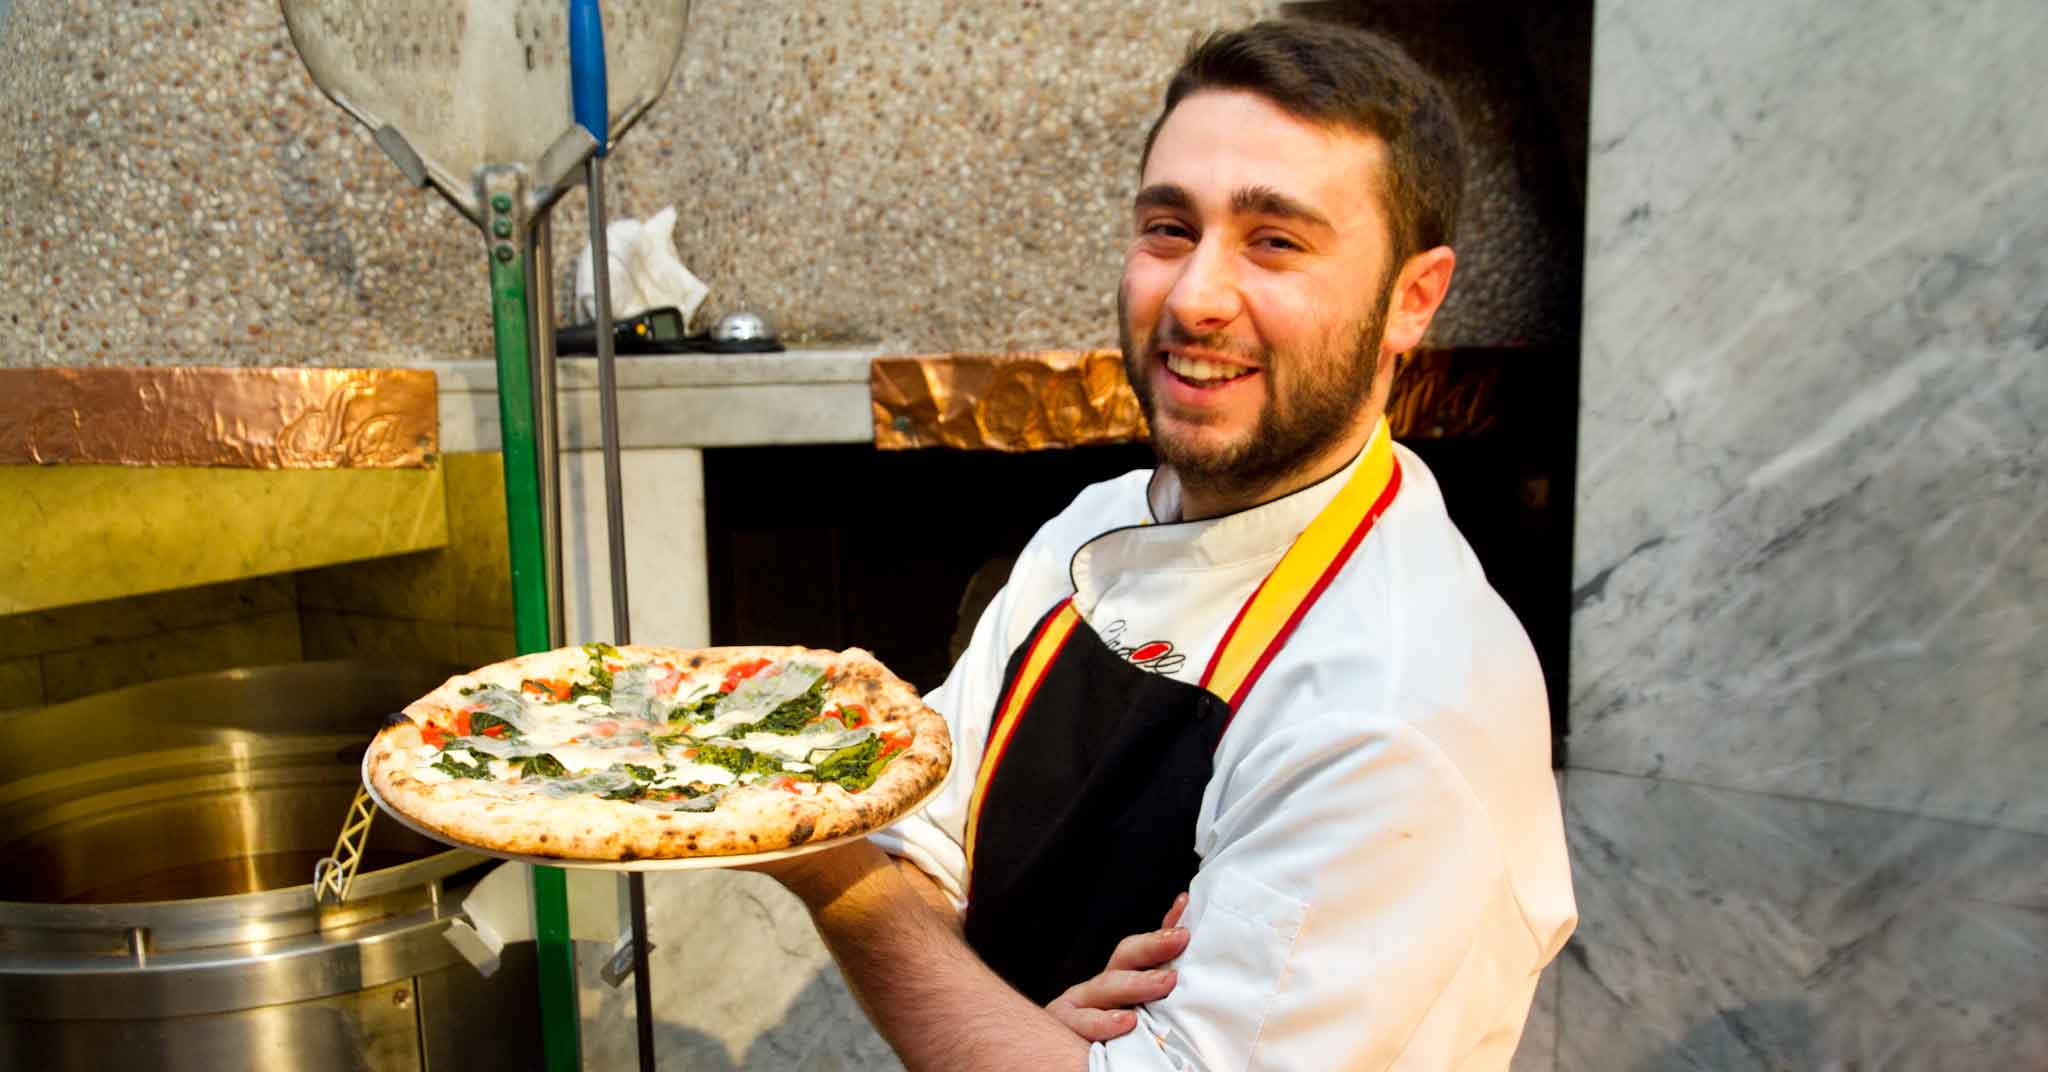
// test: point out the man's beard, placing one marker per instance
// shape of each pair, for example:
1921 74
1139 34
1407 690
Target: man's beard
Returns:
1328 390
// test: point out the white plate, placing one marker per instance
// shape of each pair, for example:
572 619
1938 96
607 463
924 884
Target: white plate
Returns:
681 863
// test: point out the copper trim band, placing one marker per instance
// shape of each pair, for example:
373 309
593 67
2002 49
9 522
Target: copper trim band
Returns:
1069 398
241 418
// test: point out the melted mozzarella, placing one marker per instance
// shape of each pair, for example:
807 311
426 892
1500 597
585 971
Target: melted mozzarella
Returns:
683 772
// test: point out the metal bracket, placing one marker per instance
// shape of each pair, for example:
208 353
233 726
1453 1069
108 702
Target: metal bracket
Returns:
619 966
335 873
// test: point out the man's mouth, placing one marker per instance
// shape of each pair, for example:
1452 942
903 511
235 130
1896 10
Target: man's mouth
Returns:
1203 373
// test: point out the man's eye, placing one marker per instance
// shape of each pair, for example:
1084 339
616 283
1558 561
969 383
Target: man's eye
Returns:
1276 242
1167 229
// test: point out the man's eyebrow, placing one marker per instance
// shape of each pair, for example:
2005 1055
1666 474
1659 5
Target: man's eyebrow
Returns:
1266 201
1246 201
1165 195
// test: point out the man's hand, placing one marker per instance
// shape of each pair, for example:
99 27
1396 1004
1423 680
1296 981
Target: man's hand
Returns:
1100 1009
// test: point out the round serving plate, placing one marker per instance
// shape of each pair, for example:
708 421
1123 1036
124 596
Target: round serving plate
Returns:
679 863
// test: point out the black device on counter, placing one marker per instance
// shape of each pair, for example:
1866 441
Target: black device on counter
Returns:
656 331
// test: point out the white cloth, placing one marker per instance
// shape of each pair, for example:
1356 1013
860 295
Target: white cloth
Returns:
1383 868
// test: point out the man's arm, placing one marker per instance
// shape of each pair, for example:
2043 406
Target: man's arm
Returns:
899 945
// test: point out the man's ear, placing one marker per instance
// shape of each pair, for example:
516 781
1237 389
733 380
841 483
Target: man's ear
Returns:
1418 291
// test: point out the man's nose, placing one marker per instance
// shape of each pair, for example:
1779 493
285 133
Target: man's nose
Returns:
1205 297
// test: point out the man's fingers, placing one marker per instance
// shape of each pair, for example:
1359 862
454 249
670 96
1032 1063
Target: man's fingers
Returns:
1122 989
1148 950
1094 1025
1172 920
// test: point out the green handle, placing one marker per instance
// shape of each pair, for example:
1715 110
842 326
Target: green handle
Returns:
561 1043
522 467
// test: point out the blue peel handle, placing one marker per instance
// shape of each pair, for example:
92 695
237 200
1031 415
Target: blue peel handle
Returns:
586 71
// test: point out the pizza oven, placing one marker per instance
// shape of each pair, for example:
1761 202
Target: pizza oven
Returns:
156 906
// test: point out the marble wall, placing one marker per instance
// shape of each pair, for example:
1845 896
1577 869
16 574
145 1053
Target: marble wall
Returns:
1808 662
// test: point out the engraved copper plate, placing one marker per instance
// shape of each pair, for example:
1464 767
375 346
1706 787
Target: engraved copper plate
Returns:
244 418
1012 402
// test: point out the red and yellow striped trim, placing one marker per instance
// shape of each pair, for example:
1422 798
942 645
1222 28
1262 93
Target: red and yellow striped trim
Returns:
1268 618
1043 650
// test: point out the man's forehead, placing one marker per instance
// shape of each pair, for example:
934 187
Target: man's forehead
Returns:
1243 152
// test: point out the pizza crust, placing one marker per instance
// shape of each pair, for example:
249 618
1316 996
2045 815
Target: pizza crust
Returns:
747 819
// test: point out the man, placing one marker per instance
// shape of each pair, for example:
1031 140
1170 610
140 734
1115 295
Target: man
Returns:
1347 769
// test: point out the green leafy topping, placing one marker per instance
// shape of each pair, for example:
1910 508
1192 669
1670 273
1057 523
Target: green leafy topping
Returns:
701 711
455 768
541 765
600 684
468 690
598 654
738 759
640 775
480 721
792 715
855 766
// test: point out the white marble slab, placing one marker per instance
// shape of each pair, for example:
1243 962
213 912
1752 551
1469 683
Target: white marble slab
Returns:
1735 931
1812 530
666 585
682 400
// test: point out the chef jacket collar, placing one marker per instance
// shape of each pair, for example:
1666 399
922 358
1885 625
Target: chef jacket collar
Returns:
1262 531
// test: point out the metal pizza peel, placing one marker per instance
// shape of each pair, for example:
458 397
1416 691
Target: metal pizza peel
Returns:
501 106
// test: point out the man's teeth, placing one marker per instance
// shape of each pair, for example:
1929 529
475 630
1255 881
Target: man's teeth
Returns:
1194 368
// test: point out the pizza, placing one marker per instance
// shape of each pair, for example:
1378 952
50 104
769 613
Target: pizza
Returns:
609 753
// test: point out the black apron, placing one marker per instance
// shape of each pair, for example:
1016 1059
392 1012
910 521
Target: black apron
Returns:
1081 829
1087 830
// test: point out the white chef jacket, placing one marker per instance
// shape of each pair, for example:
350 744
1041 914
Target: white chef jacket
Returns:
1383 869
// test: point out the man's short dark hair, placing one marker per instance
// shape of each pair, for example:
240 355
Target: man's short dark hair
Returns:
1342 76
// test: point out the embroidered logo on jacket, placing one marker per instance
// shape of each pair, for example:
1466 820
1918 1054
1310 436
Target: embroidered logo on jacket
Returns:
1158 656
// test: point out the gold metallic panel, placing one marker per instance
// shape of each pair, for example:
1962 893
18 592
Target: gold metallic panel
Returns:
1447 394
240 418
83 533
1010 402
1068 398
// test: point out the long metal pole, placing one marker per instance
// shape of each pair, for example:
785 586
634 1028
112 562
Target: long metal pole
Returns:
591 101
615 530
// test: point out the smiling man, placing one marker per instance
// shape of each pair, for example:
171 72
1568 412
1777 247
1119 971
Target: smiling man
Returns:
1348 771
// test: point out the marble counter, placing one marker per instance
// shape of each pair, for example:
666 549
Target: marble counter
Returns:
681 400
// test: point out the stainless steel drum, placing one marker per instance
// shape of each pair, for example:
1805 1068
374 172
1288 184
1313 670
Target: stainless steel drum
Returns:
156 908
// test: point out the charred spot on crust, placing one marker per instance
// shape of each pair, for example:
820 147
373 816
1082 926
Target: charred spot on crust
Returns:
543 839
754 839
801 832
696 661
628 856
